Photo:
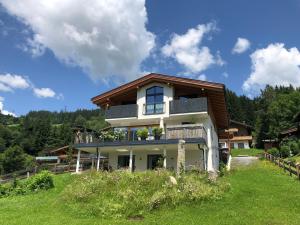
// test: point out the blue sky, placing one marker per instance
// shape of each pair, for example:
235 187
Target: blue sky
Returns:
57 56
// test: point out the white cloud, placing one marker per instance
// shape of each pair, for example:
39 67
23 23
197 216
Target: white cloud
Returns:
202 77
104 37
2 110
44 92
8 82
241 45
273 65
225 74
186 49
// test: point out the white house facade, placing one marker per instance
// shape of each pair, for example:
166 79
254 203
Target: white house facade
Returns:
189 112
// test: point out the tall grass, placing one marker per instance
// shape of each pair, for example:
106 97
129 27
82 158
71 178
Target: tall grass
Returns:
123 194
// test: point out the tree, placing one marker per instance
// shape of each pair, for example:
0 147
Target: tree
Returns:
14 159
80 121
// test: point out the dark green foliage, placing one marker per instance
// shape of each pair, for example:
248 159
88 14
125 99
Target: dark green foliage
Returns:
40 131
274 152
40 181
14 159
240 108
43 180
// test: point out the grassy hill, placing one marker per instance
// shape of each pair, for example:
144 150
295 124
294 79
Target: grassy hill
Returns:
259 195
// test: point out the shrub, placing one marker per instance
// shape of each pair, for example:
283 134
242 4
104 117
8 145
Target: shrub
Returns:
4 190
274 152
157 131
142 133
123 194
284 151
43 180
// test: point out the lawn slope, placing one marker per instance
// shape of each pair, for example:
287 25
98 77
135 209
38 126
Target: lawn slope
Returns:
260 195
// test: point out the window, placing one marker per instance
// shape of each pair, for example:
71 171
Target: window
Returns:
241 145
154 100
123 161
232 145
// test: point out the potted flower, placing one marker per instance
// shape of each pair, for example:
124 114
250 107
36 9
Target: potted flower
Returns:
142 133
157 131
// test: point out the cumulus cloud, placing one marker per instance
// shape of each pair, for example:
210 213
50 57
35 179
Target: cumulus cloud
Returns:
273 65
44 92
104 37
202 77
2 110
186 49
241 45
8 82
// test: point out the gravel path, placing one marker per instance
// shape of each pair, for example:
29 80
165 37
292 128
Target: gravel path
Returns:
242 161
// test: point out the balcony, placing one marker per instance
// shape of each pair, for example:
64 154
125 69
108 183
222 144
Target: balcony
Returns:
191 105
121 111
154 109
191 133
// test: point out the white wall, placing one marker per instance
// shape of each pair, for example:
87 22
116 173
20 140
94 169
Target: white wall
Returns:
141 100
194 158
246 144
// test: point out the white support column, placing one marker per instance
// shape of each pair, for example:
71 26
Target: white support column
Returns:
161 125
204 160
210 154
78 162
165 158
98 160
130 161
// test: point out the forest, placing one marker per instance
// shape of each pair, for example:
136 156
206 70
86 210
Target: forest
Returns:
22 138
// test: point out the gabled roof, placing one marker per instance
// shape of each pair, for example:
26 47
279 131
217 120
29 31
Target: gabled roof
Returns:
215 91
152 77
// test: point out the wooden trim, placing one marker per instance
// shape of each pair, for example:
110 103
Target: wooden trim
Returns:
160 78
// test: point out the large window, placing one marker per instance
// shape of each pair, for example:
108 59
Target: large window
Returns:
154 100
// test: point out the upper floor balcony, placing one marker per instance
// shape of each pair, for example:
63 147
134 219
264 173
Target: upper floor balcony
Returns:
189 105
193 133
121 111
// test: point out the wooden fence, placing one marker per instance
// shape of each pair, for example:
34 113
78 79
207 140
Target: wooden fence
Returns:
289 167
22 174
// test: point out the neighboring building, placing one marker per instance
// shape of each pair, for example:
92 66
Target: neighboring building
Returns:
237 136
185 109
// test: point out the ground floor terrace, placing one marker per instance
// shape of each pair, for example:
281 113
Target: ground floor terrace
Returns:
147 155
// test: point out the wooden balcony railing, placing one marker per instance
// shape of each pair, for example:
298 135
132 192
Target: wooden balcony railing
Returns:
189 131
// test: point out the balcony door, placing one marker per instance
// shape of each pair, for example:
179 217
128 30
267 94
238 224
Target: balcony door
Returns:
154 100
123 161
153 161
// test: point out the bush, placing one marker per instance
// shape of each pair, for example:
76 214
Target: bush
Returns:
274 152
142 133
4 190
43 180
284 151
40 181
157 131
120 193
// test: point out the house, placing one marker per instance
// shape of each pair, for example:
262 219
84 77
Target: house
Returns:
237 136
189 113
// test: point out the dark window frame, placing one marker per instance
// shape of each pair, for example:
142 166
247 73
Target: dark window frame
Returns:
158 100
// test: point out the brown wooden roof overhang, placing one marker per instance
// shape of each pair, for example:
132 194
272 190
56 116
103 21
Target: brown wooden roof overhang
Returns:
215 92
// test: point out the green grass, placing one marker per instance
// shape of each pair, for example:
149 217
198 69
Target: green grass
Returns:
248 152
296 158
260 195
